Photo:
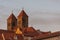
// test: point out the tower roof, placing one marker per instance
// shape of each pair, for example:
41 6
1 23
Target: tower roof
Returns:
22 13
12 16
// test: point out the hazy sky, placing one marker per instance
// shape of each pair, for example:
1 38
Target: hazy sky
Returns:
43 14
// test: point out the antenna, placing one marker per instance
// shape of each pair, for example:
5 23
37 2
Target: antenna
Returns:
12 11
23 8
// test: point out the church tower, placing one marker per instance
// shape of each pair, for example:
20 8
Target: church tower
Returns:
22 19
11 22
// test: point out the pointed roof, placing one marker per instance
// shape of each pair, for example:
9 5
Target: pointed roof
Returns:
30 31
12 16
22 13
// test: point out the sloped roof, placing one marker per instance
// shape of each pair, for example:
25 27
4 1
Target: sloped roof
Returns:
30 31
11 16
7 35
42 32
10 35
22 13
5 31
47 35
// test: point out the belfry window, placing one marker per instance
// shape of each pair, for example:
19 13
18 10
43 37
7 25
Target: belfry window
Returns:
13 24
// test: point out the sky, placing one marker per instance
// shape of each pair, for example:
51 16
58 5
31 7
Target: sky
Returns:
43 14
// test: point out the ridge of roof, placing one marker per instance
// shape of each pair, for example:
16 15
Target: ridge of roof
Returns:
22 13
12 16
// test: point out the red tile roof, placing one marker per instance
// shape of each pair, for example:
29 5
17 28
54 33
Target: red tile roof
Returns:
7 34
47 35
30 31
41 32
5 31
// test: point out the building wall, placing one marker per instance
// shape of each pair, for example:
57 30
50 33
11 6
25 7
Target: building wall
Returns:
11 23
24 21
19 22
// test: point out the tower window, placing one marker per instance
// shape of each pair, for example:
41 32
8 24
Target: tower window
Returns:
13 24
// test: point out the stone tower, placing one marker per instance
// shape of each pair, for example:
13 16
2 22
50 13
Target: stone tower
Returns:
11 22
22 19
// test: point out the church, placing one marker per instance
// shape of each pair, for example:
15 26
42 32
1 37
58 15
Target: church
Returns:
18 29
